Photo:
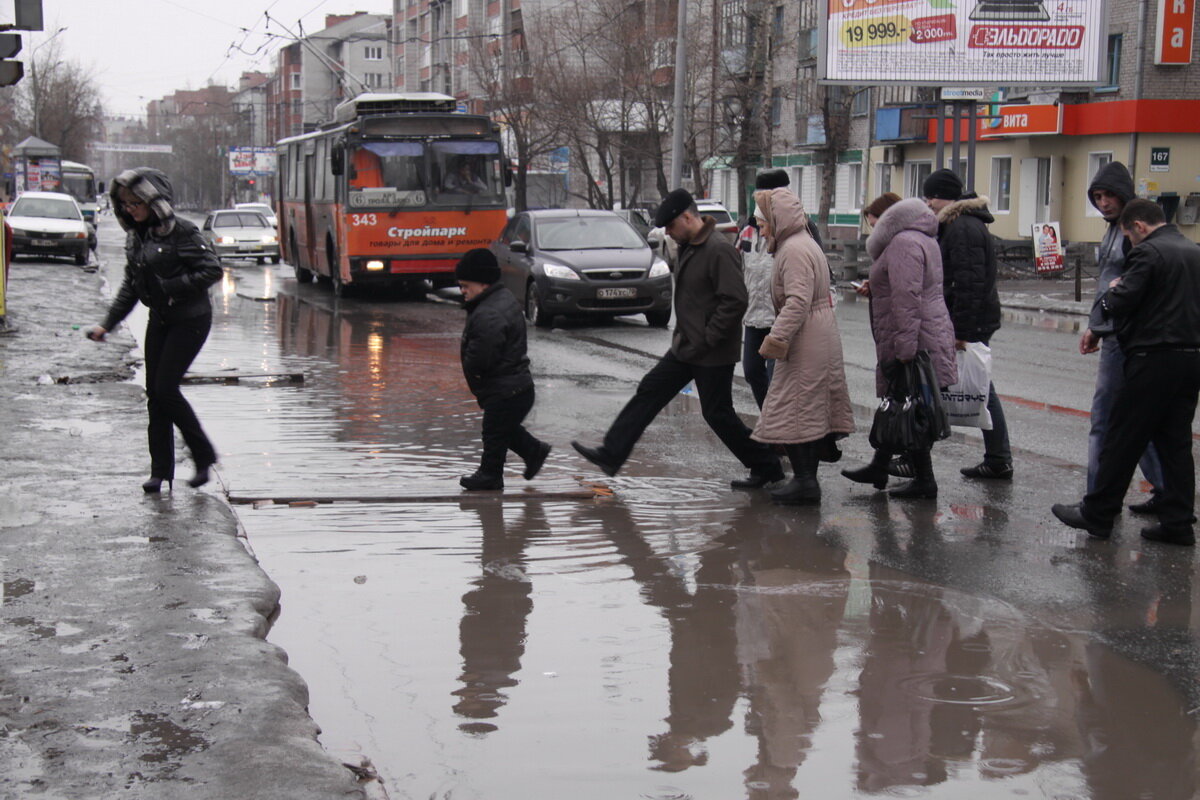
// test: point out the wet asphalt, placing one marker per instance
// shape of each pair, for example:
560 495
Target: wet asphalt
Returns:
675 640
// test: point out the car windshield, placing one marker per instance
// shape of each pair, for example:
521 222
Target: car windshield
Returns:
46 207
719 214
242 219
587 233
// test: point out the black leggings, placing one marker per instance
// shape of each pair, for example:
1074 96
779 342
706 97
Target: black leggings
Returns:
170 349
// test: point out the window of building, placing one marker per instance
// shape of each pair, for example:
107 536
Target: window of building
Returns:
1112 72
733 14
776 107
883 178
373 53
1096 162
1001 191
806 44
373 80
860 103
916 173
295 80
848 195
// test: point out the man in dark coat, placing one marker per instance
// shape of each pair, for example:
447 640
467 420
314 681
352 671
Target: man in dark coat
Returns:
969 284
710 299
496 367
1111 189
1156 307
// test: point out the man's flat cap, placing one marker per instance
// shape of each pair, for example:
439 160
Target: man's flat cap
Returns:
672 206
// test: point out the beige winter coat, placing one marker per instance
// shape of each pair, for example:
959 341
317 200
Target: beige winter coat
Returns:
808 398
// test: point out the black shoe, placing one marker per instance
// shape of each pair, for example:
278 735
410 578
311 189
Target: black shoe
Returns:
1149 508
757 480
534 465
901 467
1184 536
200 478
986 471
798 492
481 482
1072 516
916 489
598 457
154 485
872 473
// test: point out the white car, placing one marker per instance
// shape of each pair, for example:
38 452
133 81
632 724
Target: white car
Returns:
261 208
48 224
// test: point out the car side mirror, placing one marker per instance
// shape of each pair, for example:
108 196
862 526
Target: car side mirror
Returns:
518 246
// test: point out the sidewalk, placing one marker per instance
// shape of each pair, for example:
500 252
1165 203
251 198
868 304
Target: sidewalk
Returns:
134 663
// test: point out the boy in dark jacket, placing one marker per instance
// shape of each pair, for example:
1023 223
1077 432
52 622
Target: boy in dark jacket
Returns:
497 371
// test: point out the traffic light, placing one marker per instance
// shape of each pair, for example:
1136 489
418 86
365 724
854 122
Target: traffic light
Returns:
10 71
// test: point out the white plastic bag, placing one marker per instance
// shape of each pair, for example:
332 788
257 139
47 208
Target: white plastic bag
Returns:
966 401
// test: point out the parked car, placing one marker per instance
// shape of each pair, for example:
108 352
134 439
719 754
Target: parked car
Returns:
261 208
48 224
726 225
582 262
245 234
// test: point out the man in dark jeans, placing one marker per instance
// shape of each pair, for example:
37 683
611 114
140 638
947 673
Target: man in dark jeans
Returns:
1156 307
969 281
710 299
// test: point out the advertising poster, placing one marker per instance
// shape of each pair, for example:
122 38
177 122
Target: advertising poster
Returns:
963 42
1047 247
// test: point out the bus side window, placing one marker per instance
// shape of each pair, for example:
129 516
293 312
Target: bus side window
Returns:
366 171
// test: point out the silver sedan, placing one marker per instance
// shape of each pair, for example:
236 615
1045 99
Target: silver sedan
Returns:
242 234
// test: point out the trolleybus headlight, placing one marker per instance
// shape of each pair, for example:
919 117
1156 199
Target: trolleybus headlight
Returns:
374 266
659 268
559 271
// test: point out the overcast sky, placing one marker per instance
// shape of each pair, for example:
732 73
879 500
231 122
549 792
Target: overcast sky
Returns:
141 50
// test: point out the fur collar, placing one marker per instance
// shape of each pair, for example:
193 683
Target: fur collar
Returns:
967 205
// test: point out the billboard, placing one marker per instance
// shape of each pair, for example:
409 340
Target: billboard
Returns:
252 161
963 42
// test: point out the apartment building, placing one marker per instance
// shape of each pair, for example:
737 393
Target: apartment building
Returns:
1034 160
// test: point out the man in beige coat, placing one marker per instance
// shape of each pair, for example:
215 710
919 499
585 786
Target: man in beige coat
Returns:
808 402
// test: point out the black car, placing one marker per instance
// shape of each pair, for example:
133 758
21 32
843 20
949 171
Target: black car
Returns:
581 263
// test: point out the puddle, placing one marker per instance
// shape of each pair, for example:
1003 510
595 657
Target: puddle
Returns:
74 427
676 641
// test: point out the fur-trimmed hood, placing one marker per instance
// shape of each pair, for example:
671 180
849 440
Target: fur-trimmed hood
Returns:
154 188
975 205
911 214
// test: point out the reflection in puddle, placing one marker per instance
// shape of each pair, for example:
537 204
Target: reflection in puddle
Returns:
679 641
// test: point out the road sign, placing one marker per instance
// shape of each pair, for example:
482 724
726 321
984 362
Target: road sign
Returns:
11 72
1160 159
10 44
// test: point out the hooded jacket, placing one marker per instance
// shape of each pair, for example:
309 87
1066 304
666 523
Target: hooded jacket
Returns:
808 398
493 349
969 268
710 299
1115 178
908 312
168 264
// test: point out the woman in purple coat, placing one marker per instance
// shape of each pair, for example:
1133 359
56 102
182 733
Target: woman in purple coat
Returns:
908 313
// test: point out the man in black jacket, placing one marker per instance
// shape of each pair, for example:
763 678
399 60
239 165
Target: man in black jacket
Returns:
496 367
1110 190
1156 307
710 299
969 286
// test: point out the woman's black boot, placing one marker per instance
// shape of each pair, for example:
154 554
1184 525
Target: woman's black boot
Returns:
154 485
924 485
874 473
802 489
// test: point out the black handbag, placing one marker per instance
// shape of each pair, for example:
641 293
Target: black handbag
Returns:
910 416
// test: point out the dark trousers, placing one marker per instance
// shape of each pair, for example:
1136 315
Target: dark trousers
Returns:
758 370
503 431
715 388
996 450
1155 404
170 349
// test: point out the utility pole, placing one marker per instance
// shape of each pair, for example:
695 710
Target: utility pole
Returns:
680 88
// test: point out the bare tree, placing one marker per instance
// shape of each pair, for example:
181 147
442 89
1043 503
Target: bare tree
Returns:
57 101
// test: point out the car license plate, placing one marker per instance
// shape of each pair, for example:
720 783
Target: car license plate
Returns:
616 293
43 243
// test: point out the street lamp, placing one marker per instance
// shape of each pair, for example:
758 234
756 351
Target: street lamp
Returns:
37 107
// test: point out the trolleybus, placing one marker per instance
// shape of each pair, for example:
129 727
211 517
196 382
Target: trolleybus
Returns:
393 191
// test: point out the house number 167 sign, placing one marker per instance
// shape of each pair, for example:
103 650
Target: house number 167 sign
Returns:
1160 159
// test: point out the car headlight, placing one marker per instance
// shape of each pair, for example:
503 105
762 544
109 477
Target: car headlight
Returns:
77 235
559 271
659 268
226 240
269 239
20 232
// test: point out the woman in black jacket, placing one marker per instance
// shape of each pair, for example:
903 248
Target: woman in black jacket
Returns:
169 267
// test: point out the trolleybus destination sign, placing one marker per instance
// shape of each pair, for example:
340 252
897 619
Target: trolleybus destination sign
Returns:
963 42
